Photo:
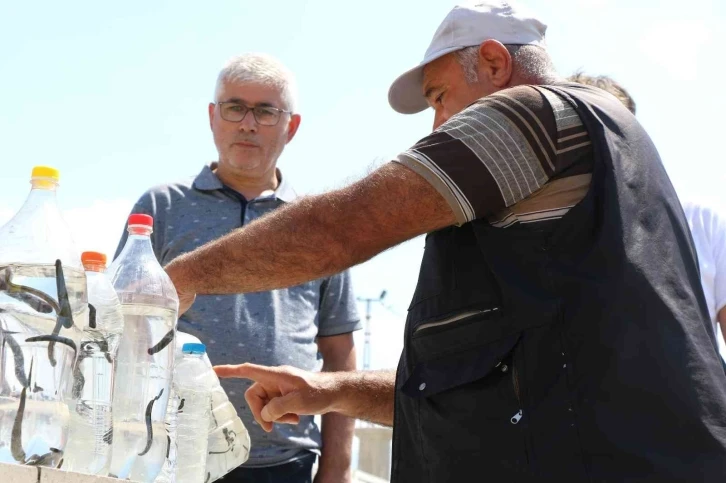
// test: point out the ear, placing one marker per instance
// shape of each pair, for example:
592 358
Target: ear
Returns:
293 126
495 63
211 113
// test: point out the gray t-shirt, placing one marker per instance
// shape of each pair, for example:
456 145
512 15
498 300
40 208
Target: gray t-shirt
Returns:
270 328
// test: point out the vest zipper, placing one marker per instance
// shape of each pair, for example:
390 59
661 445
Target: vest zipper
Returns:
454 319
517 417
515 382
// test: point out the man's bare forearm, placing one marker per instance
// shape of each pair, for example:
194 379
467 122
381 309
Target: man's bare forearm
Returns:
337 435
281 393
276 251
316 237
339 355
367 395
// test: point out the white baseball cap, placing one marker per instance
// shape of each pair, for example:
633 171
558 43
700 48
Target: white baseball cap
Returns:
466 25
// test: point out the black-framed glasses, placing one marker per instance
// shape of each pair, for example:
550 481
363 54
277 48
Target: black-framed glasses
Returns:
264 115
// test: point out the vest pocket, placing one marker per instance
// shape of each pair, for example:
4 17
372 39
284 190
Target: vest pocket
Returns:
459 349
452 321
440 365
463 378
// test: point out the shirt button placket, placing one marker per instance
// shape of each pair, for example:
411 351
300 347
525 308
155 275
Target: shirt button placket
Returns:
247 213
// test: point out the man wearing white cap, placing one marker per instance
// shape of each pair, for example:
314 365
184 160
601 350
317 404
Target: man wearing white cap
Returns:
558 331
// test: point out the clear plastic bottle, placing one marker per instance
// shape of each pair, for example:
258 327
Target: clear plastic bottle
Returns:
192 383
168 471
228 445
145 357
43 306
91 430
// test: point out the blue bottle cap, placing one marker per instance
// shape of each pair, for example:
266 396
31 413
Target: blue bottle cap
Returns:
192 347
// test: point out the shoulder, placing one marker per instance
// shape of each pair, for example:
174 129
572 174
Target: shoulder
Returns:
168 191
177 187
526 95
697 211
510 103
524 108
691 208
707 218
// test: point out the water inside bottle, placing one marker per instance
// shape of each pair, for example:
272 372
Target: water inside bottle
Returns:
91 425
39 337
143 375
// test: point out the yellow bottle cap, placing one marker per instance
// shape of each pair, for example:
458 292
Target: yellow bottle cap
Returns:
46 172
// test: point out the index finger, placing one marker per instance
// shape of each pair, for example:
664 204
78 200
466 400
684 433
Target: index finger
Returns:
249 371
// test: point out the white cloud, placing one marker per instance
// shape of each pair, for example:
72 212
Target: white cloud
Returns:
592 3
98 225
5 215
676 46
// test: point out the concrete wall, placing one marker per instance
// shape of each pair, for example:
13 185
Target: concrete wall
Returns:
374 454
32 474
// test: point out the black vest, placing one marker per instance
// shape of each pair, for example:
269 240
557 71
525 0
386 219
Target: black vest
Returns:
582 352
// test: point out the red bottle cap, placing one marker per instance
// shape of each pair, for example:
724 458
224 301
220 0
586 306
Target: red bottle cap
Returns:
139 219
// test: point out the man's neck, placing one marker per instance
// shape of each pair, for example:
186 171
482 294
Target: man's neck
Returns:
248 186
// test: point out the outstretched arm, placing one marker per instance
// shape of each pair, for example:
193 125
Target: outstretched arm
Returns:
314 237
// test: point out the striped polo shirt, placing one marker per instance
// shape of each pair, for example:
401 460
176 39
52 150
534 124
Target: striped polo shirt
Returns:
519 156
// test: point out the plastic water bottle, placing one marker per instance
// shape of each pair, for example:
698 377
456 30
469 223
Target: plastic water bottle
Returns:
145 357
43 305
91 431
229 441
192 383
228 445
168 471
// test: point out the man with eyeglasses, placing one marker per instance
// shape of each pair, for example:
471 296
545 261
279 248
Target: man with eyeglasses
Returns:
252 119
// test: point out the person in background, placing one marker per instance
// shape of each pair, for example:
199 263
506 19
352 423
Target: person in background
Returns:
707 224
708 227
252 119
607 84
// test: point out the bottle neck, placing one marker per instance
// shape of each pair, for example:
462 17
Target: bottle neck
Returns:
43 190
138 242
44 184
196 355
94 267
137 251
139 231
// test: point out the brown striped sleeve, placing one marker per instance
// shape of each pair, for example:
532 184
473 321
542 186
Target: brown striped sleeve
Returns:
493 154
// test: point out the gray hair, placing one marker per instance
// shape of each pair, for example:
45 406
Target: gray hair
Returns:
531 62
259 69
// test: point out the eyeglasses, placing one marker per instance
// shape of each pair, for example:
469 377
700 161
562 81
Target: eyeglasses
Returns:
264 115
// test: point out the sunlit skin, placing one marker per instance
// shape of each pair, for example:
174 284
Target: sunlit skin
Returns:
445 86
248 152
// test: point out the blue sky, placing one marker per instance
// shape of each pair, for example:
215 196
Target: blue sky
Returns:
115 96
